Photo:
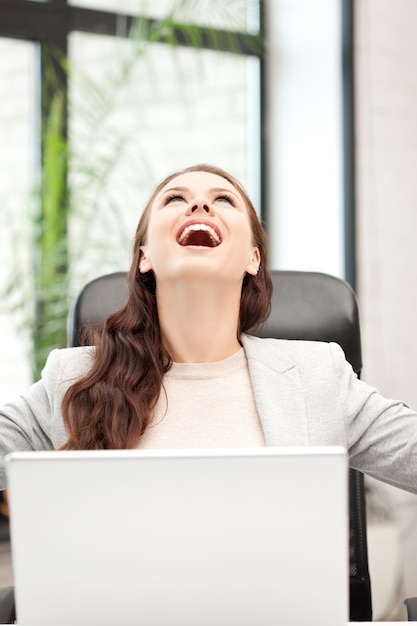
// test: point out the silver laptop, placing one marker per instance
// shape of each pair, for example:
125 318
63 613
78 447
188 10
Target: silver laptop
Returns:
180 538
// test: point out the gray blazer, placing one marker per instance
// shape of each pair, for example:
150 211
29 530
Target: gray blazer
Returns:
305 392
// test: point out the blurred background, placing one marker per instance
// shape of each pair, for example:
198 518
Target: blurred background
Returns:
310 103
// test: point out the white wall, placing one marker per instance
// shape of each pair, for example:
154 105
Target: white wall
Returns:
386 139
386 52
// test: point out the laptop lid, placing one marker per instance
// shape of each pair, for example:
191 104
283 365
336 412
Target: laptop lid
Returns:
180 538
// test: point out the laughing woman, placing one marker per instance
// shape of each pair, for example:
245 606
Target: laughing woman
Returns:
176 367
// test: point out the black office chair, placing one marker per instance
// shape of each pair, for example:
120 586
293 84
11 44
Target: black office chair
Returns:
306 305
7 607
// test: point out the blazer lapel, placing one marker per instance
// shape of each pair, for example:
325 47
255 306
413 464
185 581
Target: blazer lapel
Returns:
278 393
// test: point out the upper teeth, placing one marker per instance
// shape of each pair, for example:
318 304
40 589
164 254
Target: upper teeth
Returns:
194 227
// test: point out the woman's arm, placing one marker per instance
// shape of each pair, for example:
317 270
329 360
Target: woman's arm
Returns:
24 424
33 421
382 433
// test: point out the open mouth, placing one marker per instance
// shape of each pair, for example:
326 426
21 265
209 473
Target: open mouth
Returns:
199 235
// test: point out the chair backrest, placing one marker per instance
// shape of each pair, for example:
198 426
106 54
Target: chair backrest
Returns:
305 305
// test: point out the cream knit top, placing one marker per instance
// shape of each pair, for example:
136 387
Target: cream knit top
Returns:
206 405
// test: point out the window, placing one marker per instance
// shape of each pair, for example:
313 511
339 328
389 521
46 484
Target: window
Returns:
138 108
17 123
310 128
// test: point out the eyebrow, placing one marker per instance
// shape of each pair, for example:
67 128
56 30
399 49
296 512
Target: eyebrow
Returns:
222 190
173 189
211 190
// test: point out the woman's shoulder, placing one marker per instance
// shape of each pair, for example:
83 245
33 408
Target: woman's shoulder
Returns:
292 348
68 363
308 356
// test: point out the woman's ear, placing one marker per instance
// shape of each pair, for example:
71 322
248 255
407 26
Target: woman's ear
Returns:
254 263
144 262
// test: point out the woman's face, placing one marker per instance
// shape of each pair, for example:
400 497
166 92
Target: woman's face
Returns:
199 228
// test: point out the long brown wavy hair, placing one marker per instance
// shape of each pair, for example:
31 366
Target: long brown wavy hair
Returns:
112 404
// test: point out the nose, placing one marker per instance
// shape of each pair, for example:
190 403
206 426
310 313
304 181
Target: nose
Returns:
197 206
200 204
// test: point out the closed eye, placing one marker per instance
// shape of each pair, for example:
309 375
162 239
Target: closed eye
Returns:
173 198
225 198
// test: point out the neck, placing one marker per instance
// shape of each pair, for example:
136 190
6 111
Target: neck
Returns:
199 323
